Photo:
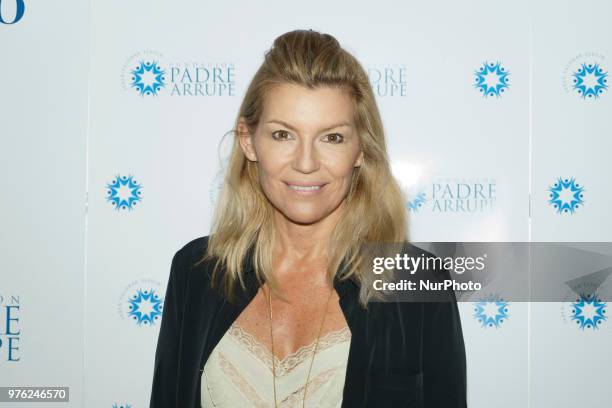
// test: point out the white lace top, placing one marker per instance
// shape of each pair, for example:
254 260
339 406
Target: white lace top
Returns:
238 373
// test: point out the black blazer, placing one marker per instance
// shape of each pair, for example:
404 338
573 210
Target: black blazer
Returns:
402 354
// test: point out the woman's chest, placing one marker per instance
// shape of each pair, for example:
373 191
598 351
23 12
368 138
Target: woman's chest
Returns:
243 372
384 356
290 326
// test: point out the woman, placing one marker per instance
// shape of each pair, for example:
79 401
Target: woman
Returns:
273 308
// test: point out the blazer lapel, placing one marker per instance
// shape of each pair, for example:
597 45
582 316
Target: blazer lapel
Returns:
355 379
228 312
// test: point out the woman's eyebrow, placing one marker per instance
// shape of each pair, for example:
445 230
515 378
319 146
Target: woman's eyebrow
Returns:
280 122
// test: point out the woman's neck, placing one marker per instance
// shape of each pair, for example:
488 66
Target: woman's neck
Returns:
302 244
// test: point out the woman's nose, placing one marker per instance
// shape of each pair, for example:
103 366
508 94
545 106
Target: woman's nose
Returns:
306 158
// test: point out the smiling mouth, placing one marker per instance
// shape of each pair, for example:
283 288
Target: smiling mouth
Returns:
305 187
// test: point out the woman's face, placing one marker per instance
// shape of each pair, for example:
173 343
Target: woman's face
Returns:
306 147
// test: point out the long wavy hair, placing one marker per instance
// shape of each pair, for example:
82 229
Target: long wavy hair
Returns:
374 208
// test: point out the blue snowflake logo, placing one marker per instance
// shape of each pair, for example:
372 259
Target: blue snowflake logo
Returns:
588 311
566 195
122 406
491 79
417 202
124 192
590 81
145 307
491 312
148 78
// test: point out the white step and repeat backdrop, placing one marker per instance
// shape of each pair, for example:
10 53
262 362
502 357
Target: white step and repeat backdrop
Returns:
498 118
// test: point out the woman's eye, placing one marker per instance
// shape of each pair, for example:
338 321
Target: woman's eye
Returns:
280 135
334 138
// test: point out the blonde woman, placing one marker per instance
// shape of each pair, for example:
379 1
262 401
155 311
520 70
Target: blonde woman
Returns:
274 308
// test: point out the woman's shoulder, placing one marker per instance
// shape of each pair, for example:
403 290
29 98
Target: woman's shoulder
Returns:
194 248
189 259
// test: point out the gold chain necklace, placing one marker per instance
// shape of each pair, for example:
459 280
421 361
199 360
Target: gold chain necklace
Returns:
314 352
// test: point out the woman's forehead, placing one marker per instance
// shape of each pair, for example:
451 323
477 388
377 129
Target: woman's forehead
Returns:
303 108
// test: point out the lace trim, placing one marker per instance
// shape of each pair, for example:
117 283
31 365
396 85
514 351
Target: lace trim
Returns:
239 381
293 399
289 362
314 384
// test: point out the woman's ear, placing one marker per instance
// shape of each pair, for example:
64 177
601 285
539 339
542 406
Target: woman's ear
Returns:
245 138
359 160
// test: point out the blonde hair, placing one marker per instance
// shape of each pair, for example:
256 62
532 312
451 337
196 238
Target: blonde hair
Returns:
374 207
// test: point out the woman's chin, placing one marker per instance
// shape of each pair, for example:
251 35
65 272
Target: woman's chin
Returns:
304 218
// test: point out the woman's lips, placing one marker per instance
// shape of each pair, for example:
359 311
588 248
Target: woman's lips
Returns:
305 188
